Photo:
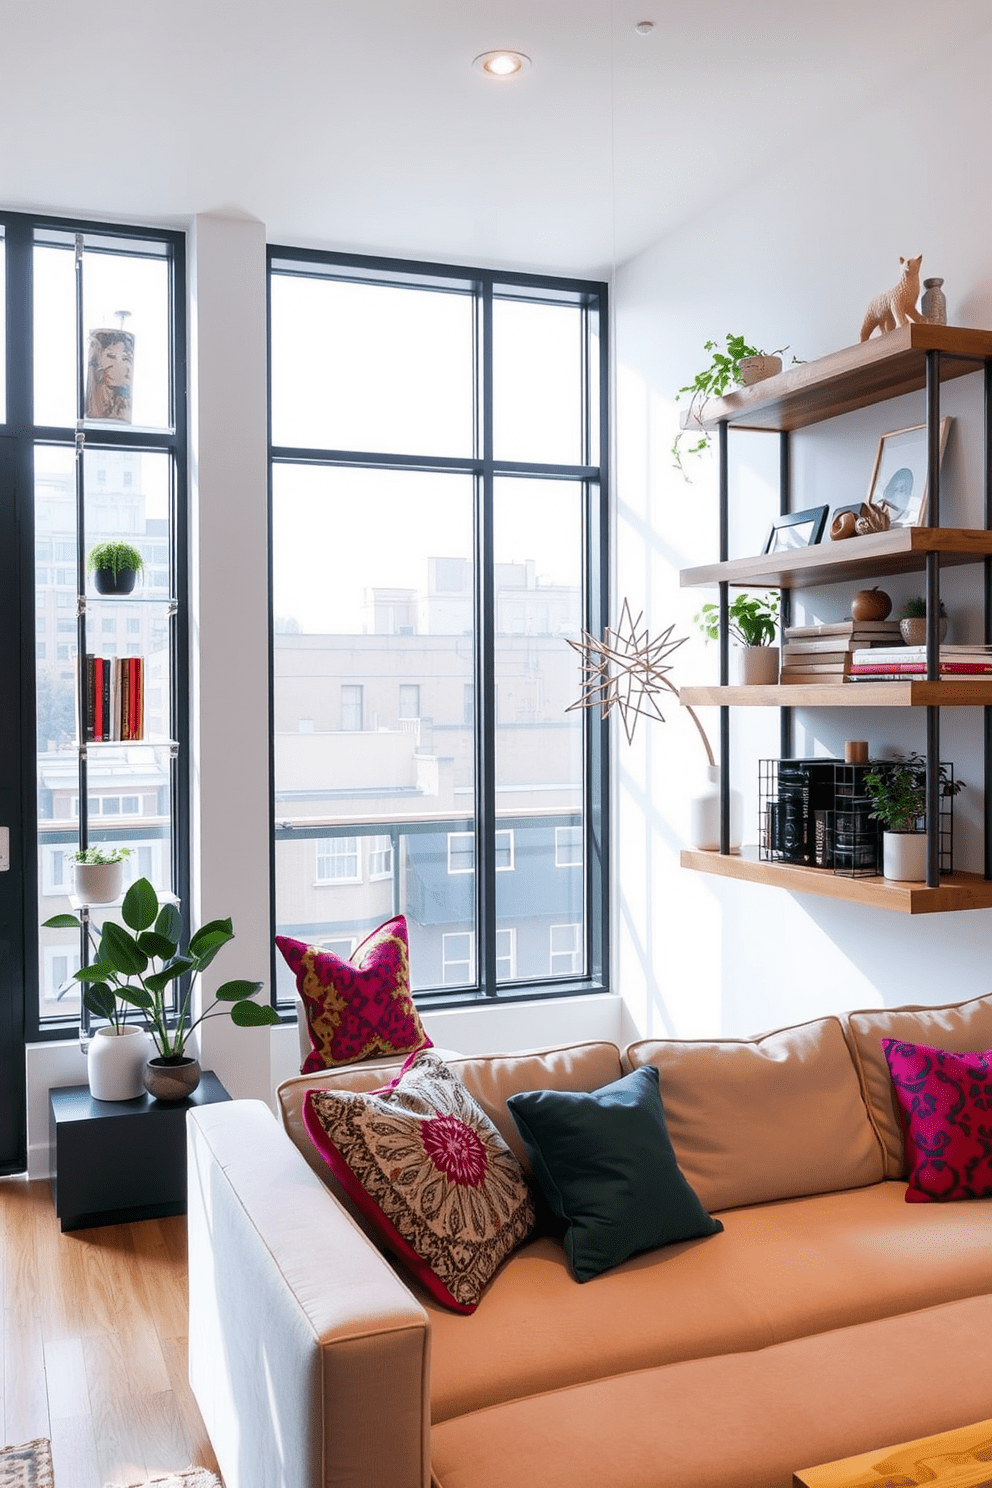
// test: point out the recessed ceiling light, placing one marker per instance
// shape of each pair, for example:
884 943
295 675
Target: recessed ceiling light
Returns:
502 64
644 28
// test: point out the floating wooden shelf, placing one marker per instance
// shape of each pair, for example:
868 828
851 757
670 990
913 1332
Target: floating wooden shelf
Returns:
900 550
855 377
976 692
957 891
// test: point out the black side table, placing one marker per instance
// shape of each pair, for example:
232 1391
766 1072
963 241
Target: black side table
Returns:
121 1160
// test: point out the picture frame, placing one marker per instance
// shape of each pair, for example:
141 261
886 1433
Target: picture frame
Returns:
899 477
796 530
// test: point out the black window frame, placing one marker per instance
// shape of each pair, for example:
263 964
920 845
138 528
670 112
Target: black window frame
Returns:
488 285
21 231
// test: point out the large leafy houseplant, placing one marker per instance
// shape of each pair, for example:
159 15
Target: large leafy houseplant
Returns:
136 964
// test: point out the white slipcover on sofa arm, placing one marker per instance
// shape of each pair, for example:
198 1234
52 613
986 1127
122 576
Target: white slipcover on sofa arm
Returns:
308 1357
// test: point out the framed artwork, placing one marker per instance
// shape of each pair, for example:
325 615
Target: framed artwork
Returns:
899 479
796 530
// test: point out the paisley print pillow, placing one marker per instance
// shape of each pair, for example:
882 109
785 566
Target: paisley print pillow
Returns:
357 1009
429 1170
946 1101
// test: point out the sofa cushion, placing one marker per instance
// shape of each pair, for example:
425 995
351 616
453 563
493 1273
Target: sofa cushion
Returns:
427 1167
779 1271
606 1166
946 1101
489 1079
776 1116
962 1027
357 1009
737 1421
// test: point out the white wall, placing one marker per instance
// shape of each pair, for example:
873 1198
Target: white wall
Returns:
792 259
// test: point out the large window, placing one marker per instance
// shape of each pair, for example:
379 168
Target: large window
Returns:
95 420
438 532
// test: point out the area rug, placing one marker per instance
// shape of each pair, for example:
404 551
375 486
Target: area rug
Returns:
193 1477
27 1466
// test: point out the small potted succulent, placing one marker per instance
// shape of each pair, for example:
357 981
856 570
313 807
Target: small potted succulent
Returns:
898 792
137 963
115 567
913 621
753 623
98 873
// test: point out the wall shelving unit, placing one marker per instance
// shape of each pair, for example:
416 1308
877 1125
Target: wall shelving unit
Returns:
914 358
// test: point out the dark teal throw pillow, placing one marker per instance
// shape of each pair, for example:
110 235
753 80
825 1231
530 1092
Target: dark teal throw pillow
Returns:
605 1163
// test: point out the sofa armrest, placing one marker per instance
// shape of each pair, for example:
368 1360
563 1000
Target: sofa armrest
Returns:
308 1357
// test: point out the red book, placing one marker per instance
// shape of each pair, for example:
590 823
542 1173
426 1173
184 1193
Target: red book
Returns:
98 697
919 668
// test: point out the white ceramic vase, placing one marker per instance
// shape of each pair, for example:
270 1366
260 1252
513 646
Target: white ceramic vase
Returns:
904 856
754 666
704 814
98 883
115 1063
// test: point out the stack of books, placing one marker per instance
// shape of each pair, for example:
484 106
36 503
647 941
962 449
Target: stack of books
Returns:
897 663
824 653
114 698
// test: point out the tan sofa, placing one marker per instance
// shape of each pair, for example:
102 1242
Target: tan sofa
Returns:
828 1318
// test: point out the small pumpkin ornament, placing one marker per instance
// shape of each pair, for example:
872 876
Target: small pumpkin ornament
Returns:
870 604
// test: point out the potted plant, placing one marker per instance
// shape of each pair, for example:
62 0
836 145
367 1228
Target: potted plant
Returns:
98 873
753 623
115 567
735 366
898 792
137 963
913 621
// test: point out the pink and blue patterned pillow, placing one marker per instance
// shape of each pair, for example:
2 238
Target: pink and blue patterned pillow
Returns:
357 1009
427 1168
946 1102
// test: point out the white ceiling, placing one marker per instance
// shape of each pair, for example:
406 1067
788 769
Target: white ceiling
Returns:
360 124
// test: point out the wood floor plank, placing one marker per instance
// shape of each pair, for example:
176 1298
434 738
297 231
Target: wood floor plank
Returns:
93 1339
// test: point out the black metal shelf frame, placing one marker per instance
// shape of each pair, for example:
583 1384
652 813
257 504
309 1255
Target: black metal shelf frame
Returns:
932 582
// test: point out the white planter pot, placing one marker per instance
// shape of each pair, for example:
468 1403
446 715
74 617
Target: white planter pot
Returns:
754 666
904 856
98 883
115 1063
704 815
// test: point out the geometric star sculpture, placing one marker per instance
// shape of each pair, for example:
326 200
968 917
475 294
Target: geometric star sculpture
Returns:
626 670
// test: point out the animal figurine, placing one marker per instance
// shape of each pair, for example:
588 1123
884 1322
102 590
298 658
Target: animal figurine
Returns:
872 519
897 305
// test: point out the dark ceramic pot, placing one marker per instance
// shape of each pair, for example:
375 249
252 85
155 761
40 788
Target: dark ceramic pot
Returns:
107 582
171 1079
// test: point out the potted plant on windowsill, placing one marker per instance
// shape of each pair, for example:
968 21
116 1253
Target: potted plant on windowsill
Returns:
898 792
115 567
753 623
137 966
98 873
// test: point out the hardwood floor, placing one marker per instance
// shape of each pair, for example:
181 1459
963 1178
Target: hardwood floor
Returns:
93 1346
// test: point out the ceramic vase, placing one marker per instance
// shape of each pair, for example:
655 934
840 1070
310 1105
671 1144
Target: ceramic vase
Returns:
115 1063
933 306
904 856
98 883
754 666
757 368
704 814
171 1079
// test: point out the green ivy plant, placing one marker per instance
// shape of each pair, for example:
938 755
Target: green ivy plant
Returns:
719 377
115 556
898 791
751 620
135 966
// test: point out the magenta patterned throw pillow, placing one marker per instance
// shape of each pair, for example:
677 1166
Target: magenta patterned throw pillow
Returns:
428 1169
946 1102
357 1009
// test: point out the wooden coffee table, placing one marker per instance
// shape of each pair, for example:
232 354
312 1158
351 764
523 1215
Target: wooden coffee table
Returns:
951 1459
